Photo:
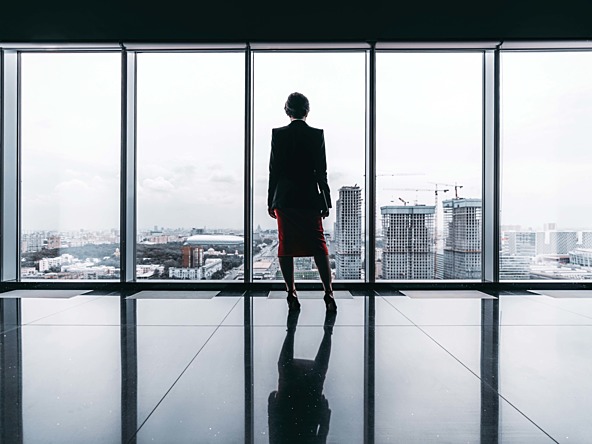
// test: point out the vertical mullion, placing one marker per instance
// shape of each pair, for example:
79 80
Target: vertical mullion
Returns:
128 167
248 249
9 217
491 167
248 170
370 207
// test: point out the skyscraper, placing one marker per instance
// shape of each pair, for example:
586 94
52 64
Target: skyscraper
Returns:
462 238
519 243
562 242
409 242
348 233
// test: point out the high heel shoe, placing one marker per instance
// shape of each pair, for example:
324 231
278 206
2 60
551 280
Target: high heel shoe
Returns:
293 302
330 303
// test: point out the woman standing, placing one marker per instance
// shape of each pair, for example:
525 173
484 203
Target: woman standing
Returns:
297 191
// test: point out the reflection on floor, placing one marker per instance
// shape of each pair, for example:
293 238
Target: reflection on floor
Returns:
98 369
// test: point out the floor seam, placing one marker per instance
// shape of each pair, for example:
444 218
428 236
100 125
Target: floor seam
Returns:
560 308
64 310
132 439
473 373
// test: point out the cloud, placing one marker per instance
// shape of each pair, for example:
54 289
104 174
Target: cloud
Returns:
159 184
222 177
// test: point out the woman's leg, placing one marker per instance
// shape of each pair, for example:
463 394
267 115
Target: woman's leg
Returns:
324 268
287 267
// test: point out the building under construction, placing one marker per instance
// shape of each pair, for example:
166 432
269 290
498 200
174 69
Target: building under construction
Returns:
462 238
409 241
348 234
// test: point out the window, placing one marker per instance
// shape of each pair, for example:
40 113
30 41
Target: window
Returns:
546 231
190 154
428 165
70 152
334 83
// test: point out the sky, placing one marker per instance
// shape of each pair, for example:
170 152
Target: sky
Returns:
190 133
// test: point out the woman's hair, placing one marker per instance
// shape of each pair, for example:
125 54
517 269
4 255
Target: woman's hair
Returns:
297 105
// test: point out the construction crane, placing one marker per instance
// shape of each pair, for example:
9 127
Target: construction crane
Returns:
456 187
405 202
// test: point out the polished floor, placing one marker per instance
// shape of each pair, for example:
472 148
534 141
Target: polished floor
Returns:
390 369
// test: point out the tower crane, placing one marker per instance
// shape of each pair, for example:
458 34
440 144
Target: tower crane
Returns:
456 187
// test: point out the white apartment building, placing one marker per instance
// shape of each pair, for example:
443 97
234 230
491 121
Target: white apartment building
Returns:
519 243
348 233
462 238
206 271
409 241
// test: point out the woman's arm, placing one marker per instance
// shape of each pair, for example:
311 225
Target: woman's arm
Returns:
321 170
272 177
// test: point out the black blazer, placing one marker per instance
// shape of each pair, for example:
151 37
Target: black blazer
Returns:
297 164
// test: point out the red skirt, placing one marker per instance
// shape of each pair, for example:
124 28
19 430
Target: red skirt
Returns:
300 232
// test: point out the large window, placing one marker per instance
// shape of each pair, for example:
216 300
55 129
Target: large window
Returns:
334 83
186 132
70 151
428 164
546 213
190 145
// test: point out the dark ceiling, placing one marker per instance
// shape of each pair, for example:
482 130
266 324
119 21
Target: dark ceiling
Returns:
288 20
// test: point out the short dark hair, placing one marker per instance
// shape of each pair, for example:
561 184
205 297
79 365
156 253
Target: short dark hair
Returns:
297 105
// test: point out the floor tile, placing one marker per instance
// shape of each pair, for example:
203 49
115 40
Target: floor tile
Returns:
310 295
435 311
185 311
102 310
43 293
71 384
545 372
565 293
446 294
387 314
38 309
536 310
206 405
343 387
273 311
424 395
169 295
163 353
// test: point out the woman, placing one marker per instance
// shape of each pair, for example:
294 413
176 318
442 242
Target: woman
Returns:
297 171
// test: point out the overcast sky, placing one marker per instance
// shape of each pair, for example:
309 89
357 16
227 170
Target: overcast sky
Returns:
191 133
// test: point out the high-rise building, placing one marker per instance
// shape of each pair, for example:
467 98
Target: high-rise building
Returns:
348 234
519 243
562 242
462 238
192 256
586 239
409 241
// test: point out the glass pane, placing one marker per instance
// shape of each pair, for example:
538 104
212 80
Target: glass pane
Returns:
335 86
190 153
428 164
546 140
70 153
